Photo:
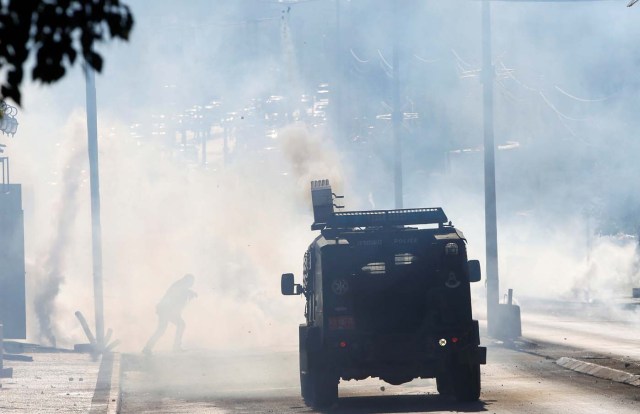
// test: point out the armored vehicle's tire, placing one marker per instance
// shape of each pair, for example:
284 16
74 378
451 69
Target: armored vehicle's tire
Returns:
324 389
318 385
466 382
305 387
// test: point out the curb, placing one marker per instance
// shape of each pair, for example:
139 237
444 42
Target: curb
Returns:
113 404
599 371
106 396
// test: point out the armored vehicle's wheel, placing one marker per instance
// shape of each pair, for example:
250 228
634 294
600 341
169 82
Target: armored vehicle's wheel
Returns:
305 387
324 389
466 382
319 385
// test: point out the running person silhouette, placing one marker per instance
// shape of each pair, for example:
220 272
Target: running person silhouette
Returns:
169 309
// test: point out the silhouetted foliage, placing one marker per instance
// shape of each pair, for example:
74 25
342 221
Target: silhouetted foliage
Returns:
55 32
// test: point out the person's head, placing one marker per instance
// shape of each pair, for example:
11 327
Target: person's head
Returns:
188 279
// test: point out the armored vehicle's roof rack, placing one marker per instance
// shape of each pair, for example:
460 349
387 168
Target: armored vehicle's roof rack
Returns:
326 218
381 218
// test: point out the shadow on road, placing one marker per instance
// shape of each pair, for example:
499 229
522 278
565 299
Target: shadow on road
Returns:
203 382
404 404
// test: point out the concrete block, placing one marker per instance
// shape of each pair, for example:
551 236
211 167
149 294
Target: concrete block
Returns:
599 371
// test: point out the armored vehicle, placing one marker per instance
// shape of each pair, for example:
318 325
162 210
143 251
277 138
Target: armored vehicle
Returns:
386 298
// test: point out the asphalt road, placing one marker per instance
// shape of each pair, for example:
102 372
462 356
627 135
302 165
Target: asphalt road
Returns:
520 379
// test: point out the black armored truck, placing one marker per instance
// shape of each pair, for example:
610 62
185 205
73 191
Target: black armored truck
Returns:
387 295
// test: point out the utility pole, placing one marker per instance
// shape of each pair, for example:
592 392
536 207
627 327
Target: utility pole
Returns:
502 319
397 112
203 136
337 87
225 146
491 228
96 229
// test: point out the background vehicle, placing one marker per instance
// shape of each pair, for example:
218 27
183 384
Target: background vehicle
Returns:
386 300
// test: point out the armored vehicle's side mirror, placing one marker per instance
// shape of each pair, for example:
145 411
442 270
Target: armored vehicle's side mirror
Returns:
474 271
288 287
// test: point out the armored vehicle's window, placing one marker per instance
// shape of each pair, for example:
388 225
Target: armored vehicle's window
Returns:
405 259
377 268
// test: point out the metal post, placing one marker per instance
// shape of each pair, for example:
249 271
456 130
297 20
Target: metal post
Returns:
85 328
96 230
225 150
5 170
589 239
204 136
339 73
397 114
1 348
493 286
4 372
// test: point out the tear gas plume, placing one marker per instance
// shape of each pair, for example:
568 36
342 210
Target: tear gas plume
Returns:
310 155
167 220
50 273
219 226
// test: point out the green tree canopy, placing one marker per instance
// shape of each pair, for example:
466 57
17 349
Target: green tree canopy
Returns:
55 32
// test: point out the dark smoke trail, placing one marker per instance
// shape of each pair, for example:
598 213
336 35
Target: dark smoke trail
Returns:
54 264
44 305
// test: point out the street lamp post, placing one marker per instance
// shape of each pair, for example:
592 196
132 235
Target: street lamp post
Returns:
340 83
501 320
397 114
96 228
490 213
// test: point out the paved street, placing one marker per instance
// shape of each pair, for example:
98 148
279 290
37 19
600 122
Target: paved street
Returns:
523 378
51 383
513 382
519 378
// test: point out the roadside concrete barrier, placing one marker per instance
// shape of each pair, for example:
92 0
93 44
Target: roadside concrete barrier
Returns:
599 371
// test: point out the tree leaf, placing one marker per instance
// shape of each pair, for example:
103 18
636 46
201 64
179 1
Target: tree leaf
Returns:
47 29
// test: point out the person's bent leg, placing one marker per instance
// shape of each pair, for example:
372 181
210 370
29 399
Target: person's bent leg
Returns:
180 326
162 327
